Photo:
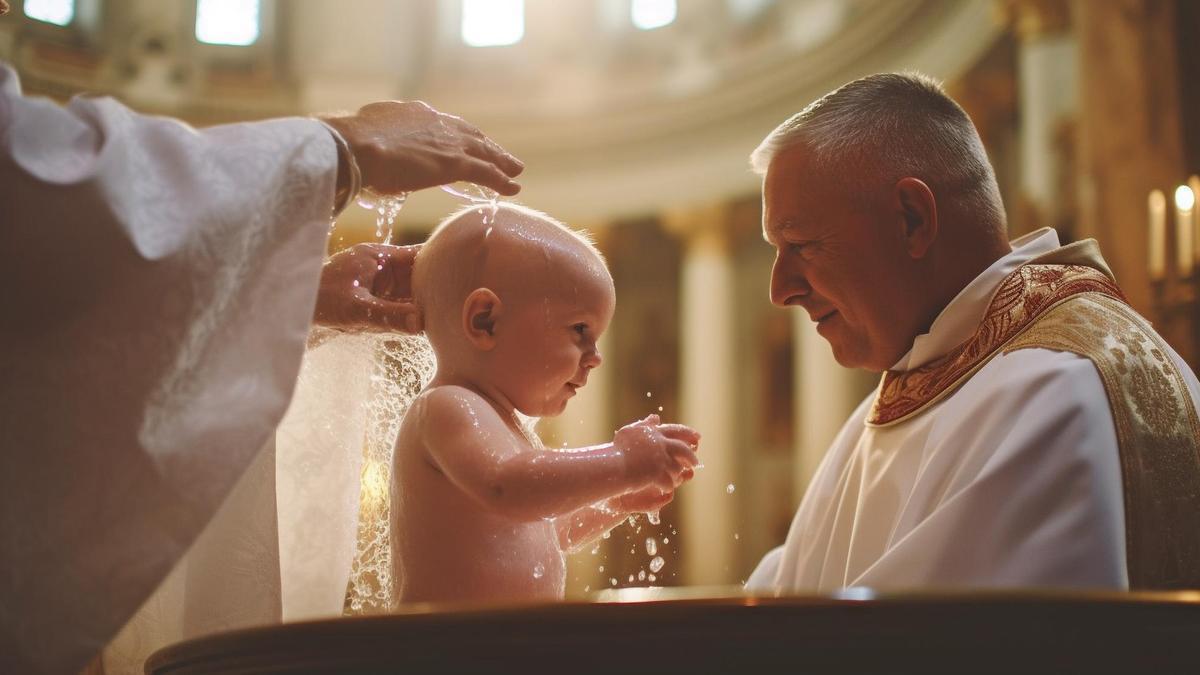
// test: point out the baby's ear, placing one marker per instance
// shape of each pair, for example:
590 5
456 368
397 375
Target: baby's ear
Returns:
480 310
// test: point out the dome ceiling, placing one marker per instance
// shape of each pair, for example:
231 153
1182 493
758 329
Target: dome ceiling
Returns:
611 120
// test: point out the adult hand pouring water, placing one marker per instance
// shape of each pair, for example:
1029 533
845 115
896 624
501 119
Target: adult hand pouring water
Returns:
158 286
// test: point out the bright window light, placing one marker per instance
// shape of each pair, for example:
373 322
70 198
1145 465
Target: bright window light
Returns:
650 14
227 22
58 12
493 23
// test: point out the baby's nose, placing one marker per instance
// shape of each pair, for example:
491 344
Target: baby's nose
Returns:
592 359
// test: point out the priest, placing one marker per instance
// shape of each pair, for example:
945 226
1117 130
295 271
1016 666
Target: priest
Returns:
1029 428
156 292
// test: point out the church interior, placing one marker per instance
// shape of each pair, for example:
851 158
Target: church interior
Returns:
635 119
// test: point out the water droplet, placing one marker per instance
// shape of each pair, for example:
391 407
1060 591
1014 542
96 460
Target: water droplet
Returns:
601 569
631 578
539 571
729 489
606 535
612 581
657 564
666 540
633 520
641 575
647 394
651 546
736 535
588 588
654 578
659 407
653 517
595 549
356 283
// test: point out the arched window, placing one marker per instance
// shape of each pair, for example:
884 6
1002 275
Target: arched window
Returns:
58 12
228 22
492 23
650 14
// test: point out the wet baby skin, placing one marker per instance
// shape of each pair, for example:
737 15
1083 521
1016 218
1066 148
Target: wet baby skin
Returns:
513 304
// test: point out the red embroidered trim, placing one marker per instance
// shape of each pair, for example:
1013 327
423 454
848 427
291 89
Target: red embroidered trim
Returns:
1023 296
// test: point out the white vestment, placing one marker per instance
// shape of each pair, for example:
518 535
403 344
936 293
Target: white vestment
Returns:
1013 480
155 296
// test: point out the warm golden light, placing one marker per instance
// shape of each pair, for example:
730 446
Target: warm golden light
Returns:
1185 199
1185 213
1194 184
1158 235
375 482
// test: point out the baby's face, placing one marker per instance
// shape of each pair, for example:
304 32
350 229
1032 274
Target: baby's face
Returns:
546 346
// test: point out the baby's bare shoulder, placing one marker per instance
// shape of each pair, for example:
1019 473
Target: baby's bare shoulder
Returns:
451 407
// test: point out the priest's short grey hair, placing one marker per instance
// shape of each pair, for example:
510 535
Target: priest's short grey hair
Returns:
890 126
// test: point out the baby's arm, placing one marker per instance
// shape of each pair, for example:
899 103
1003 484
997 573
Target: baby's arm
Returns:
577 530
468 441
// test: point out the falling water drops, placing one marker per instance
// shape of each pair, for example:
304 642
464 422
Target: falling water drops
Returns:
651 546
386 208
657 564
539 571
730 488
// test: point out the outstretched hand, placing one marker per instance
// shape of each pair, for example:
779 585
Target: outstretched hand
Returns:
368 287
645 500
664 455
402 146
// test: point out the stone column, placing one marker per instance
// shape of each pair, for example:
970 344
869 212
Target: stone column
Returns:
1046 78
1130 136
708 387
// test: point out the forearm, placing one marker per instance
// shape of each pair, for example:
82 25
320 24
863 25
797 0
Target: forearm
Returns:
551 483
586 525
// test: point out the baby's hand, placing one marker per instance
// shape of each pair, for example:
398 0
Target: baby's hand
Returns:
646 500
662 455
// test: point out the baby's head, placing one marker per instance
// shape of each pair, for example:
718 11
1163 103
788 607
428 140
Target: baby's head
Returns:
514 303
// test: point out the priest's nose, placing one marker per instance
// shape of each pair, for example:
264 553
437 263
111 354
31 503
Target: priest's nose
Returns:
788 285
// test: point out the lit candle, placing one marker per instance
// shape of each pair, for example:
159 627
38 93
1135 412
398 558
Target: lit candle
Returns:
1194 183
1158 235
1185 206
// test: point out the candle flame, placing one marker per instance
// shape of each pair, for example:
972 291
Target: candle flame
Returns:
1185 199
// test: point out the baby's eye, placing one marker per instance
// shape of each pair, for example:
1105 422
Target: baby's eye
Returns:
580 328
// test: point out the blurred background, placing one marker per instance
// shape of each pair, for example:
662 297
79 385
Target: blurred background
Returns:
635 119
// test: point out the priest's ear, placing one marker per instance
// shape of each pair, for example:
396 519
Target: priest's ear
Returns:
917 207
480 311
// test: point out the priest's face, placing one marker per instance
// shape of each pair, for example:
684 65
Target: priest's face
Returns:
840 256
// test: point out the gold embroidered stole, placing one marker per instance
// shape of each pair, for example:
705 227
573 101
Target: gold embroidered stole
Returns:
1158 432
1079 309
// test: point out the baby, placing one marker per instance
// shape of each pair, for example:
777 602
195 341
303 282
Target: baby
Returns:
513 304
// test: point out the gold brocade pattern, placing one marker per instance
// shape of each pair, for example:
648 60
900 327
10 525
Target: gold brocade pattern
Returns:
1158 432
1022 297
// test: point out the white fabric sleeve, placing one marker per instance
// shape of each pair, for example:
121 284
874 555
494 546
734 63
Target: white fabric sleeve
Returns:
1036 500
764 577
157 288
